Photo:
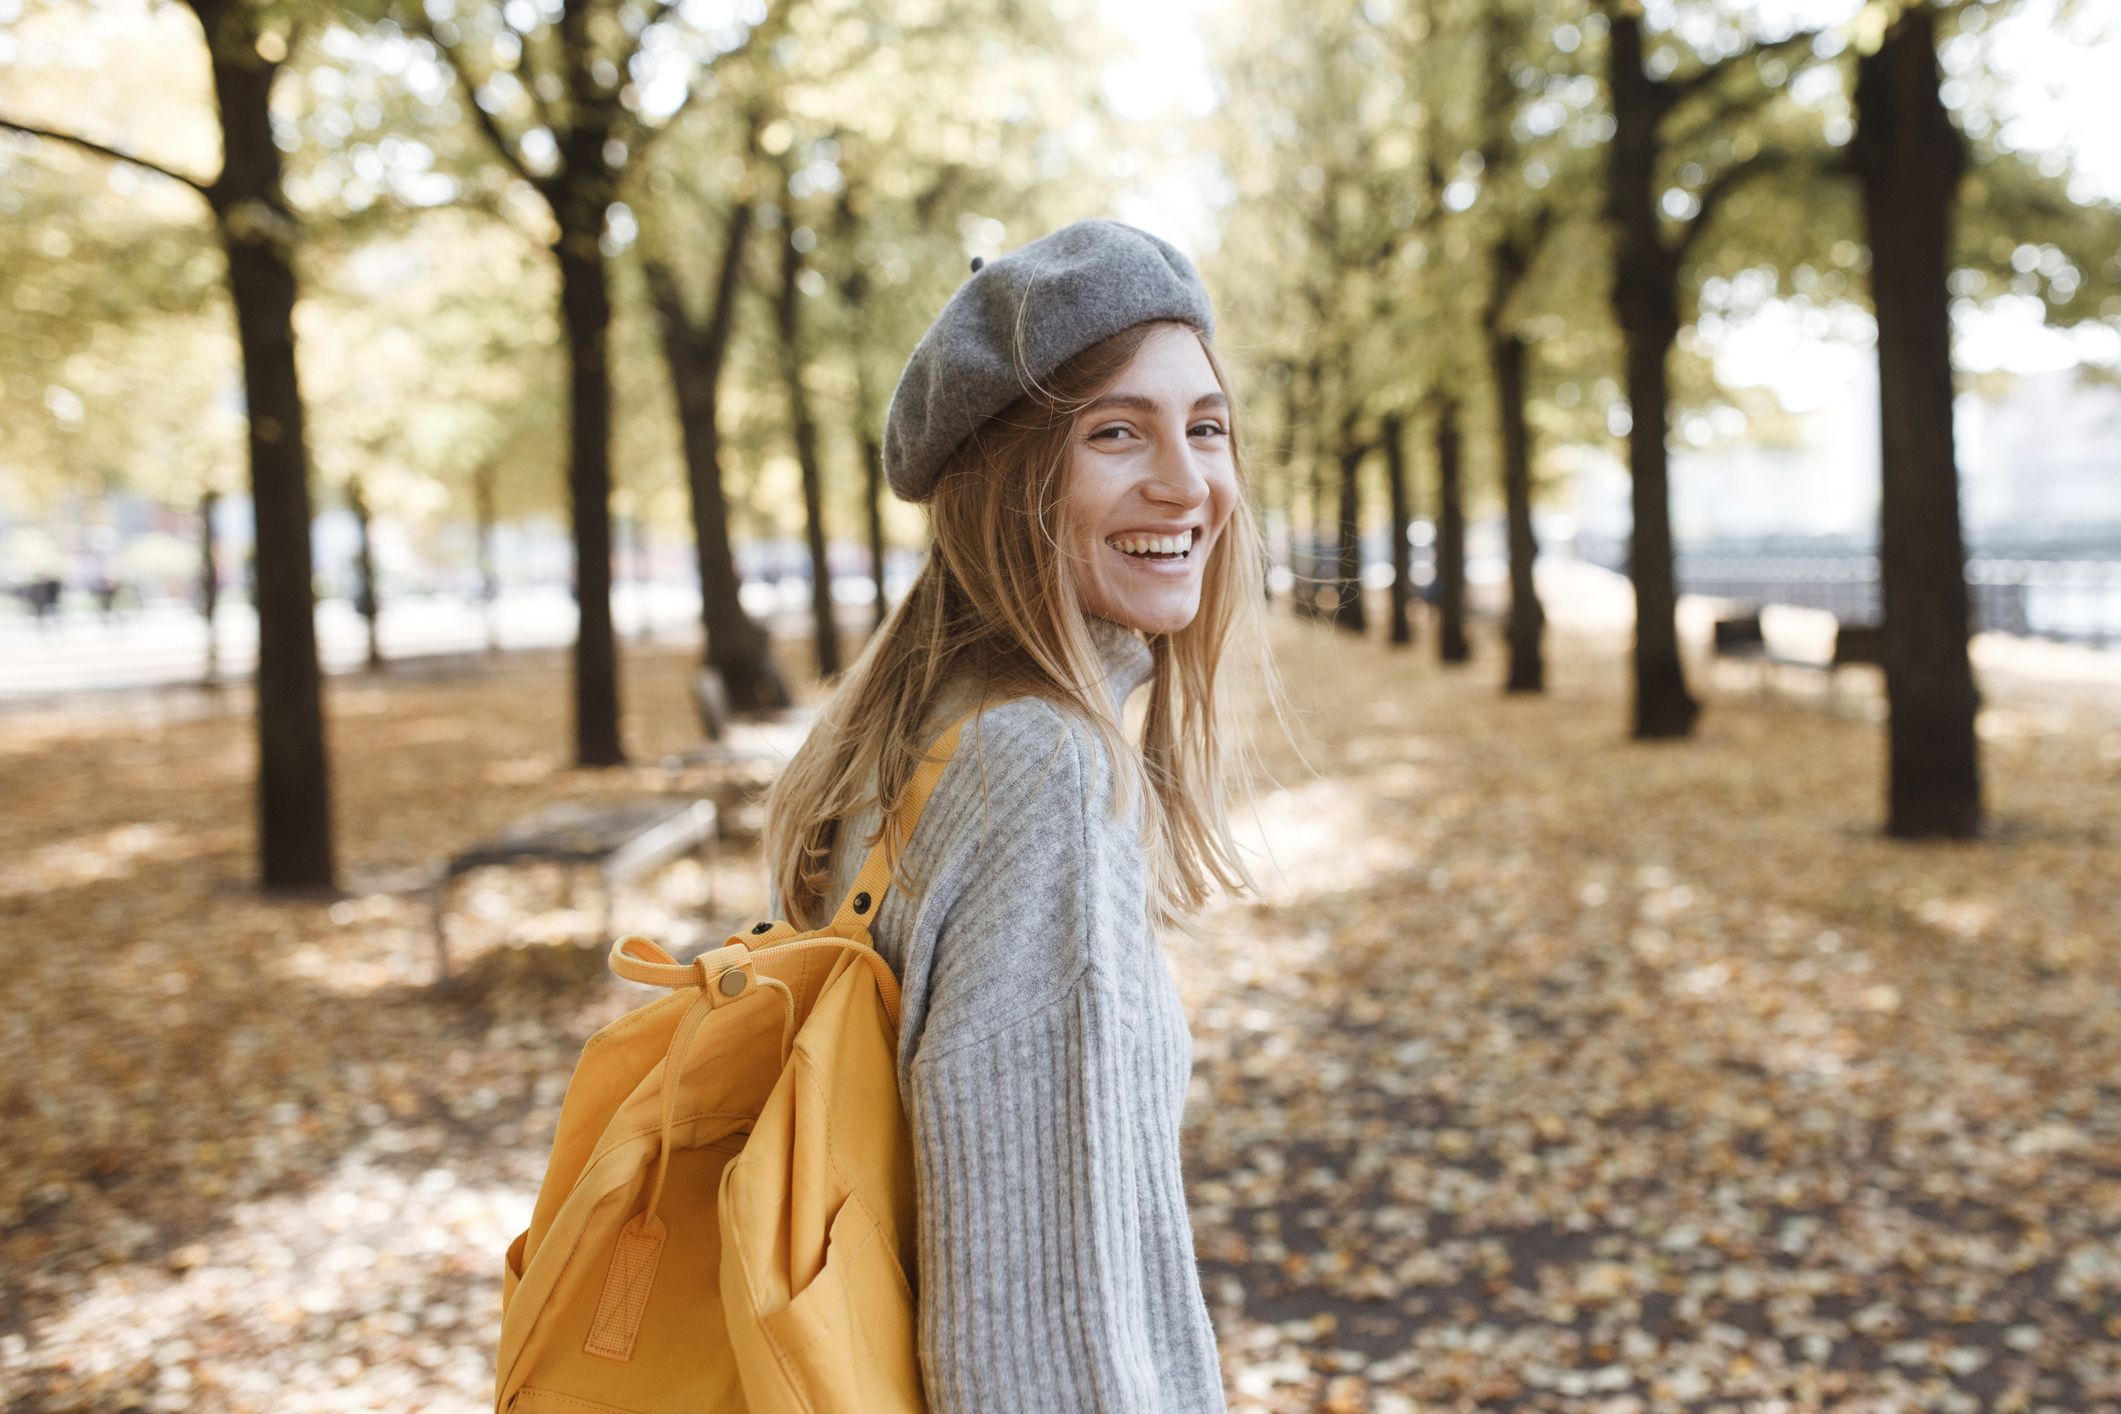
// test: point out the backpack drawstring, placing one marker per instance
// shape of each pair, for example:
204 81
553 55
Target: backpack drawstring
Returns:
674 1059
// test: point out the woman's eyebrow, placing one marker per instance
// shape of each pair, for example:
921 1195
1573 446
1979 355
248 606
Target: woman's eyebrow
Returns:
1141 403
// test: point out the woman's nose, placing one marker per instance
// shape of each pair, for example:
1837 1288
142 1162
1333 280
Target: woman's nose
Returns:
1177 473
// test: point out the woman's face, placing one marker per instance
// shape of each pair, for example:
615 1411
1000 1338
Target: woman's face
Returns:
1149 469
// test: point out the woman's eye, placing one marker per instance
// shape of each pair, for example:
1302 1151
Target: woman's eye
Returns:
1119 429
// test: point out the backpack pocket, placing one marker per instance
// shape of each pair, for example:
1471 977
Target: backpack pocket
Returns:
849 1333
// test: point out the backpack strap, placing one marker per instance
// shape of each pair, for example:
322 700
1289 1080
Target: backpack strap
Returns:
866 897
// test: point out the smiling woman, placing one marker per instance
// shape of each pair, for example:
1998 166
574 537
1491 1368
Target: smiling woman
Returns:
1069 426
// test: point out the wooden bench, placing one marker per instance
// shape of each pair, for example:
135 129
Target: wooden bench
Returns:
742 755
619 840
1740 637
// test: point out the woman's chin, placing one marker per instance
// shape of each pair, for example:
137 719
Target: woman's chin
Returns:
1152 613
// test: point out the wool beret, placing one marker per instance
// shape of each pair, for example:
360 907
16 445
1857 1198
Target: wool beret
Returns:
1016 320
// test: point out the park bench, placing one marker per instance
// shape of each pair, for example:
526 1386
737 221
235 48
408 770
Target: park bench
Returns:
1741 638
741 756
755 738
617 840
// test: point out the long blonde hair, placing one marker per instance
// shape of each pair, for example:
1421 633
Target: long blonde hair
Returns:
995 599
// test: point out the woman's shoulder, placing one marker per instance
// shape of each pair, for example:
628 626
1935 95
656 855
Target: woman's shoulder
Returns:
1043 882
1028 745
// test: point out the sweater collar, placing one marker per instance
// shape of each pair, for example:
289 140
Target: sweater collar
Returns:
1125 655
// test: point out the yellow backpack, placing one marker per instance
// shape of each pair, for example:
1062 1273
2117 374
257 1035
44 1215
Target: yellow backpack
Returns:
738 1238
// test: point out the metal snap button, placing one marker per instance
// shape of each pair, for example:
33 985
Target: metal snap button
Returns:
733 981
861 902
762 928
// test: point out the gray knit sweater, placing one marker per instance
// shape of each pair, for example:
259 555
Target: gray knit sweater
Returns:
1043 1064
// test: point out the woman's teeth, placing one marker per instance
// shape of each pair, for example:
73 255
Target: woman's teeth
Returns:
1157 545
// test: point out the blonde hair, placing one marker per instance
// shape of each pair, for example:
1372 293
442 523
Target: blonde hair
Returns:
995 599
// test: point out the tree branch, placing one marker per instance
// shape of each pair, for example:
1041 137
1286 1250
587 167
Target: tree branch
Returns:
1733 107
1510 260
767 29
1767 160
416 15
203 188
1681 89
390 215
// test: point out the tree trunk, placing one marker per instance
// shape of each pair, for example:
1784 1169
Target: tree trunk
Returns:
1527 623
1308 407
1645 300
1276 497
209 585
1909 157
1400 625
585 295
1452 644
803 428
367 603
258 234
737 648
1662 704
1347 578
873 504
489 580
854 294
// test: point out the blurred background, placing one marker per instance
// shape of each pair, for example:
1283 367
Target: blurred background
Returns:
439 473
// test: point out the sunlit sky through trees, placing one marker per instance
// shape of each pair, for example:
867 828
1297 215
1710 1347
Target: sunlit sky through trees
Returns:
2059 66
370 123
2054 66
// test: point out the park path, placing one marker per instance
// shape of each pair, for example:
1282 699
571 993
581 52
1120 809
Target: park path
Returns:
1556 1071
1549 1071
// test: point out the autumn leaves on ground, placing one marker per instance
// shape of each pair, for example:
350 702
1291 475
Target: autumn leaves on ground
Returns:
1552 1071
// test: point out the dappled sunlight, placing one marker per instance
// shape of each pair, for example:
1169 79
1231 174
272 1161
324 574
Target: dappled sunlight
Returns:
373 1289
1557 1065
107 856
1545 1061
1306 838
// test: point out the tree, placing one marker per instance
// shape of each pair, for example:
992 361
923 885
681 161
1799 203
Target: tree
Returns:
368 600
1452 646
1645 297
1313 257
867 417
209 586
696 353
1347 572
1909 159
575 86
1444 399
1508 258
796 241
1515 232
1399 629
259 233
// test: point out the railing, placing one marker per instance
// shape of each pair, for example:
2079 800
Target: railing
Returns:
2077 601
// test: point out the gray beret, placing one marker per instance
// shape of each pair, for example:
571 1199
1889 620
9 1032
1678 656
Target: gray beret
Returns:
1019 318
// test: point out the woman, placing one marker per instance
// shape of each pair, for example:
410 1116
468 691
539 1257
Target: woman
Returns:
1070 428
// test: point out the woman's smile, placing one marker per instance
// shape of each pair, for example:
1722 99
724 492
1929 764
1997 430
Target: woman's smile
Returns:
1165 556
